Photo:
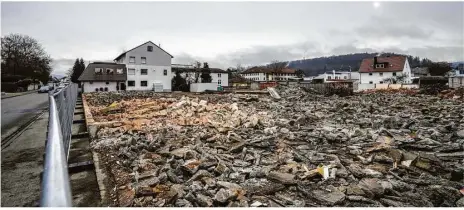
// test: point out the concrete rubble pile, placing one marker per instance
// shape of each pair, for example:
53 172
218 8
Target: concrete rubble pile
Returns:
367 150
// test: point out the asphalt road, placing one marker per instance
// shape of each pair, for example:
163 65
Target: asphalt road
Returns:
18 110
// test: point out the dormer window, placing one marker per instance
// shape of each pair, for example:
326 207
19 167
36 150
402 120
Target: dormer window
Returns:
150 48
119 71
109 71
98 71
379 66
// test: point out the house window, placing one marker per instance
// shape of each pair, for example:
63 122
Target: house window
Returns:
461 71
219 75
119 71
165 72
381 82
143 83
132 59
131 71
98 70
150 48
143 71
131 83
370 82
381 74
219 82
109 71
370 74
379 65
329 77
107 83
90 82
344 77
394 73
144 60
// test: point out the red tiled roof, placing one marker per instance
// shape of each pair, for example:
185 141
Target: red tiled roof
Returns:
395 63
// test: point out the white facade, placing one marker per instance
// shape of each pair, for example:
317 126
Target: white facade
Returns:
154 74
338 76
261 77
378 77
91 86
255 76
221 79
146 65
201 87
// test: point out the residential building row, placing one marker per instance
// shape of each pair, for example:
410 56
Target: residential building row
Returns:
145 67
264 74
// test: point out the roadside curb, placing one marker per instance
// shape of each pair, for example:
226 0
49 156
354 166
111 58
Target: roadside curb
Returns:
26 93
95 155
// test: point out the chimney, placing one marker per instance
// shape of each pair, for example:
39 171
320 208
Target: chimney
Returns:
375 60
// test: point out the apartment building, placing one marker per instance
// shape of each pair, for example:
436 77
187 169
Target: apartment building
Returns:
148 67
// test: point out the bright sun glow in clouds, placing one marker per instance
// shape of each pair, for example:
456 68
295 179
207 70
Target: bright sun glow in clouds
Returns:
376 5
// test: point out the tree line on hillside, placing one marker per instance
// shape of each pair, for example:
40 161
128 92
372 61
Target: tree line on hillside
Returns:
24 62
316 66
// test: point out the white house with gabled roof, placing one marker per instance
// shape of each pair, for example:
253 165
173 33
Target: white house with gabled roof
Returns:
148 67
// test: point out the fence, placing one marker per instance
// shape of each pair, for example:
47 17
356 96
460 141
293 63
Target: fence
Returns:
56 190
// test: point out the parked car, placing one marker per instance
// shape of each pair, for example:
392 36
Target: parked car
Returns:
44 89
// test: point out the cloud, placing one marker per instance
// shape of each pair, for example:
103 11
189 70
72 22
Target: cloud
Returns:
61 66
382 27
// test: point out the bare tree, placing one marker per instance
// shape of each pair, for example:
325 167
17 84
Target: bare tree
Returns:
239 68
277 65
23 55
197 70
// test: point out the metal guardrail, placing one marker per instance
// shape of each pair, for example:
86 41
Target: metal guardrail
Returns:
56 190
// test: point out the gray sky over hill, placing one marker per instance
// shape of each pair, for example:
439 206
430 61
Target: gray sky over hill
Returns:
227 33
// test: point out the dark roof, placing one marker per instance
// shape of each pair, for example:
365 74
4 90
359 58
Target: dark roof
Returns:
261 69
119 56
212 70
89 72
395 63
235 78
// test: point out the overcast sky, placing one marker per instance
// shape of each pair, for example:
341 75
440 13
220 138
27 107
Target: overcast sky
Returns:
227 33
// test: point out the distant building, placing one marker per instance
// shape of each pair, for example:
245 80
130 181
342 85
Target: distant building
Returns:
336 76
238 81
263 74
459 70
376 70
103 76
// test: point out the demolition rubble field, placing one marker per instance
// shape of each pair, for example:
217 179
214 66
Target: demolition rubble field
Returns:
366 150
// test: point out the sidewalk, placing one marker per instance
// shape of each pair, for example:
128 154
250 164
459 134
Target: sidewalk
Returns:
22 163
11 95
